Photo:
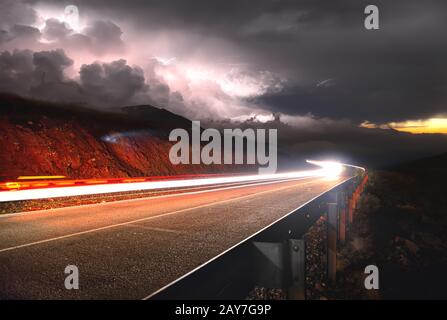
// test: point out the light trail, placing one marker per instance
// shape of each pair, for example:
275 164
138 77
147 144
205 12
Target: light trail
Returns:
101 186
331 169
39 177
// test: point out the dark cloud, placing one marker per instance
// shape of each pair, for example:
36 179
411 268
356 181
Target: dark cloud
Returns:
50 65
3 36
37 74
16 70
111 83
342 141
105 36
56 30
392 74
300 58
24 32
99 37
16 12
20 35
79 40
41 74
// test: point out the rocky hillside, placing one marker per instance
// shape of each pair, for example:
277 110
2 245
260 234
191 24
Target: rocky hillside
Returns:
41 138
401 227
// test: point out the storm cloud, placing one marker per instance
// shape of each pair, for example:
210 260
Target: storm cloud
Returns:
16 70
111 83
50 65
303 62
23 70
105 36
16 12
305 137
392 74
42 75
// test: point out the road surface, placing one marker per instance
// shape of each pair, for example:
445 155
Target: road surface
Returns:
129 249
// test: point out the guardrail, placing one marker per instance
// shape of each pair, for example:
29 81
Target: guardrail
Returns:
274 257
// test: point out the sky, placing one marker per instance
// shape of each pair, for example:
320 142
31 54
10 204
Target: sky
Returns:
308 65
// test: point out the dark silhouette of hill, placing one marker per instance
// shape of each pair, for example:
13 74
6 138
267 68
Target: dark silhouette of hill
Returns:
435 166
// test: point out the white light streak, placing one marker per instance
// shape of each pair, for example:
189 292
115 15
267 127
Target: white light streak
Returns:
331 169
45 193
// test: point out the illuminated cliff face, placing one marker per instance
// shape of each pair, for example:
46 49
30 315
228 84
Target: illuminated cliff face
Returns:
37 139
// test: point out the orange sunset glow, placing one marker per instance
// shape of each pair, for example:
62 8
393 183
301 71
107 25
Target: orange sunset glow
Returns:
433 125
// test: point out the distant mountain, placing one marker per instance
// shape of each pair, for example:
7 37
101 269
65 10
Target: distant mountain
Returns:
157 117
435 166
45 138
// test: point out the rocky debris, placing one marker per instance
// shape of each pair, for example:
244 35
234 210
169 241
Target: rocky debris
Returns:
401 228
352 258
315 240
260 293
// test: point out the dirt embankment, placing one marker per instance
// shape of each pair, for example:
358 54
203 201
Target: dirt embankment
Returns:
401 227
40 138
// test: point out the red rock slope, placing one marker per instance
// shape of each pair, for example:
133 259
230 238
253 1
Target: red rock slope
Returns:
41 138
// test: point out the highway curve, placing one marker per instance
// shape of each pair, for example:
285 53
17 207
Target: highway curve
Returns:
129 249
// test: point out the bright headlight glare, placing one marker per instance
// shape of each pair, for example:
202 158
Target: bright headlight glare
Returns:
330 169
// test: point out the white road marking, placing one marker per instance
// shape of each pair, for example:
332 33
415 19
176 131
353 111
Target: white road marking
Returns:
240 242
139 226
145 219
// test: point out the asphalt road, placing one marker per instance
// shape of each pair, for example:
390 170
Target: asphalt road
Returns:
129 249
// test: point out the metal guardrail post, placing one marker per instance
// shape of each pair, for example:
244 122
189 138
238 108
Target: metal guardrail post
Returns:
281 265
269 259
272 259
332 241
297 255
342 217
350 210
